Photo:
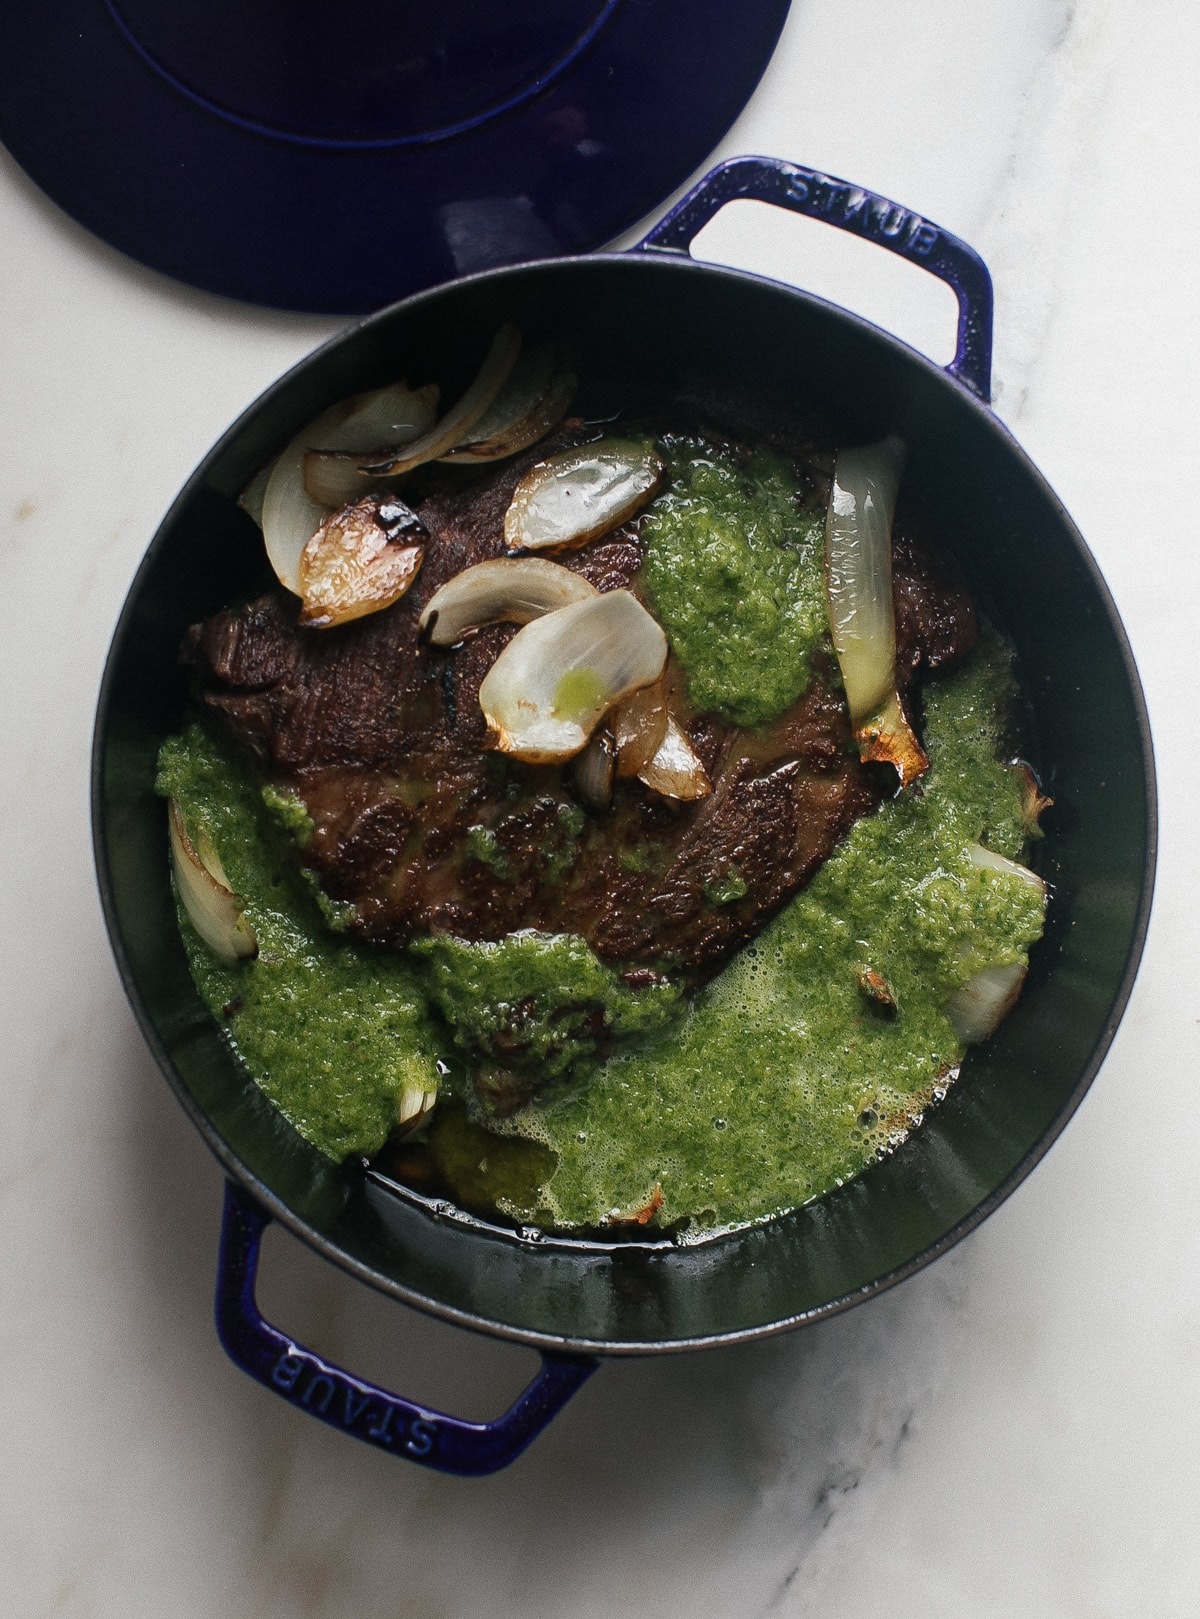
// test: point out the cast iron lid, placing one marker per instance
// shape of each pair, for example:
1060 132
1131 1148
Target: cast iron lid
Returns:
308 155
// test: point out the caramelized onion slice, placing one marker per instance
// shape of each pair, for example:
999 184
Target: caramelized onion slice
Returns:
557 678
675 771
532 401
513 590
290 515
639 725
213 909
886 737
1033 801
579 494
858 588
460 418
358 561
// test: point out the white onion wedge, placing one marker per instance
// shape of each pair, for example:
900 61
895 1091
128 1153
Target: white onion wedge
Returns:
977 1009
290 516
356 563
557 678
675 771
252 496
204 892
858 587
593 771
988 860
980 1006
532 401
416 1104
380 422
639 727
460 418
577 495
513 590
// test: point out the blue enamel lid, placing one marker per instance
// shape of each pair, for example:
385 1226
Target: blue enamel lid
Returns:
310 154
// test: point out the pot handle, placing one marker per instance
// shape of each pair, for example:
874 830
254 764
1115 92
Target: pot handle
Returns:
359 1408
864 213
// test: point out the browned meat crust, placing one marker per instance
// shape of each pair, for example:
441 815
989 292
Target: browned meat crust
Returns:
424 830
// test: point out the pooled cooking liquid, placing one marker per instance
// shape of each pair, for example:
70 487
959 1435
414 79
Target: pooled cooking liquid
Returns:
756 1007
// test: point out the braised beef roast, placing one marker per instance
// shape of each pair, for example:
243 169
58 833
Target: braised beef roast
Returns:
422 828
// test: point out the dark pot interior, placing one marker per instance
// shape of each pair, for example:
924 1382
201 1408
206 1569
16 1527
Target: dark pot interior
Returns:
649 330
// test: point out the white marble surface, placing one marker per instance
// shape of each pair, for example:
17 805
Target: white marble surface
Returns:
1013 1432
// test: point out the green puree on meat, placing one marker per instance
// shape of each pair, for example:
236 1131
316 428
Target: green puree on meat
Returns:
331 1034
730 549
781 1079
537 992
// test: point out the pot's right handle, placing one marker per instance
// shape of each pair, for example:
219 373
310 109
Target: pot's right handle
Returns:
864 213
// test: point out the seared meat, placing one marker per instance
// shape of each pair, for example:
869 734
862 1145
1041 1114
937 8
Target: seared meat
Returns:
424 830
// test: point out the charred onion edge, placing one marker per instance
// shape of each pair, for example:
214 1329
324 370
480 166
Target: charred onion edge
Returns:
331 462
876 988
645 1212
887 738
1034 802
639 728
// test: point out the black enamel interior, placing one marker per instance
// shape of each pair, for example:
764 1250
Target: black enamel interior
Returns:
650 329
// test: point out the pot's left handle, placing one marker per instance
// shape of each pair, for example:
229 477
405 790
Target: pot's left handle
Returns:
863 213
362 1409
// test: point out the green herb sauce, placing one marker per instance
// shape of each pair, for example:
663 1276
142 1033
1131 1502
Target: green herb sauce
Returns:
781 1078
735 573
785 1078
540 1001
333 1037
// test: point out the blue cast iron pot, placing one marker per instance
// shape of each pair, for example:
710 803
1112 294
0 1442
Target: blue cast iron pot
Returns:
652 327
